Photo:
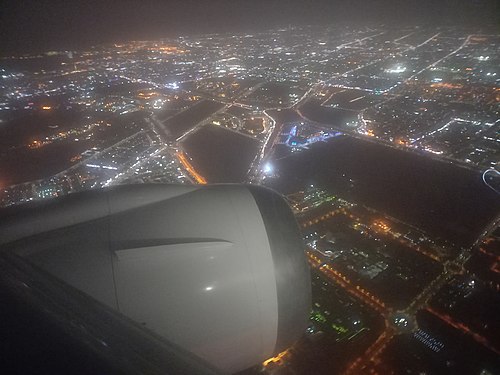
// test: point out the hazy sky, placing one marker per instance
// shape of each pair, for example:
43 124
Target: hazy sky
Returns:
49 24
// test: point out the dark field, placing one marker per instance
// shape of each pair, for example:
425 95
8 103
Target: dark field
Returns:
335 117
221 155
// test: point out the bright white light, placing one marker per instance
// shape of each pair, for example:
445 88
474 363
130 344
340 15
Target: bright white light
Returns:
397 69
268 168
173 85
209 288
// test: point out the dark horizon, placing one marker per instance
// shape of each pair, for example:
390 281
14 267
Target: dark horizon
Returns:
33 26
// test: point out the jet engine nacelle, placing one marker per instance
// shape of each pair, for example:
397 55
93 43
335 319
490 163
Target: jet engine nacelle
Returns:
218 270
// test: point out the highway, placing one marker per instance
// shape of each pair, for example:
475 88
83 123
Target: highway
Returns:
190 169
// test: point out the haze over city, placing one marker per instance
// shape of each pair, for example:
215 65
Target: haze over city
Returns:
34 26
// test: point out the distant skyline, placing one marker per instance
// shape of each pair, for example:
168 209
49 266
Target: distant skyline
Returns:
31 25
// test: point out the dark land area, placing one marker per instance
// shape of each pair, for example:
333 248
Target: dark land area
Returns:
221 155
441 198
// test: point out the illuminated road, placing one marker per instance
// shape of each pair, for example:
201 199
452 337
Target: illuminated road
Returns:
189 167
371 356
197 126
403 241
254 172
421 300
375 229
463 328
346 284
358 41
326 216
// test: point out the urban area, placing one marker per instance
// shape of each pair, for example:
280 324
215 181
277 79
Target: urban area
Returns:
384 141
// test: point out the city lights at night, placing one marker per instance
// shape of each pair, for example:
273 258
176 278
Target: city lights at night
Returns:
378 123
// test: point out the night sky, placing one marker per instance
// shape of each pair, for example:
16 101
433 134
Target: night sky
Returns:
39 25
